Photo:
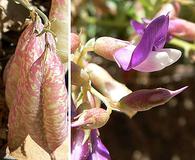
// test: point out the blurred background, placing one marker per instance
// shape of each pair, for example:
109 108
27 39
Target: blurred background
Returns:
163 133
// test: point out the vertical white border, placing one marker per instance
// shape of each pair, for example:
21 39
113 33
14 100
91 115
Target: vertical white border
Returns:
69 80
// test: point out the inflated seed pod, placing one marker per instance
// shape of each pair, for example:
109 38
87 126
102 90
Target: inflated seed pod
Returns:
107 46
29 44
59 16
44 106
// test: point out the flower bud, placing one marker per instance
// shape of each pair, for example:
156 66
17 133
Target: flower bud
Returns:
28 44
182 28
75 42
92 118
146 99
103 81
107 46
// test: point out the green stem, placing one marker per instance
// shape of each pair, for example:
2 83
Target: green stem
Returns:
109 104
82 54
89 46
183 44
44 17
28 6
24 3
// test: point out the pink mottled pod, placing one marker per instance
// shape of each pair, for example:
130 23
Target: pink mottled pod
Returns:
92 118
107 46
59 16
28 45
44 106
146 99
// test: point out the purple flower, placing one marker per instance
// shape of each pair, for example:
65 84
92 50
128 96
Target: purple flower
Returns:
148 55
138 27
146 99
91 149
79 151
99 151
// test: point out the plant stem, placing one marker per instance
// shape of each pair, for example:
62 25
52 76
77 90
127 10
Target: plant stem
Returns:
28 6
44 17
109 104
183 44
89 46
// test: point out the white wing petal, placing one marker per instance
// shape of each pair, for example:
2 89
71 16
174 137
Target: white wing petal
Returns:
157 60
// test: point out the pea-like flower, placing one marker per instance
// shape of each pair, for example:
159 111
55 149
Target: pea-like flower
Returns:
91 149
148 55
146 99
177 27
99 151
79 150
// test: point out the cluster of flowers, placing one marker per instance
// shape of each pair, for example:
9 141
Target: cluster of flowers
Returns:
148 55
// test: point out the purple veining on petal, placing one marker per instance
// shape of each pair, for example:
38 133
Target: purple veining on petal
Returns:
138 27
99 151
154 37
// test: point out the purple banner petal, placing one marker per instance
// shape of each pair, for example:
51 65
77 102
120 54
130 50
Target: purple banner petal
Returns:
154 37
138 27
